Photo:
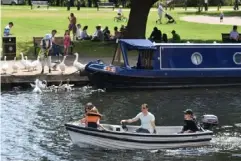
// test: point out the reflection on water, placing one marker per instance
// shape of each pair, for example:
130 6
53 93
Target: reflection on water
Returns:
33 124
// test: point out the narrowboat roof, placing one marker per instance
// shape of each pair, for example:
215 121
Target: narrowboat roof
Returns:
139 44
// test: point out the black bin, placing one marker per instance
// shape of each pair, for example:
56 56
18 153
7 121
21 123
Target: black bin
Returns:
9 47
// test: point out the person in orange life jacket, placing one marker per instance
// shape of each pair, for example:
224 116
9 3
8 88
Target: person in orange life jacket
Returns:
93 119
190 125
88 107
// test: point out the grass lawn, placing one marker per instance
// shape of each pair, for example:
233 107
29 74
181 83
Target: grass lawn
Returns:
29 23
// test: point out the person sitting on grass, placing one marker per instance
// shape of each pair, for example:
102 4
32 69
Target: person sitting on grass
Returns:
234 35
156 35
78 32
175 37
164 38
98 35
84 35
116 34
106 33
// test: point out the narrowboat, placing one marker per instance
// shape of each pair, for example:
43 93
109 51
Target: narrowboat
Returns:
139 63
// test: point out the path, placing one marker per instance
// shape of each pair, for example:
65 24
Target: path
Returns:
235 20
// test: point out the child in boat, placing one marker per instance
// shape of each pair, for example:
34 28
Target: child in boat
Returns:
92 118
221 16
190 125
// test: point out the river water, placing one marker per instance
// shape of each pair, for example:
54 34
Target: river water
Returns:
32 125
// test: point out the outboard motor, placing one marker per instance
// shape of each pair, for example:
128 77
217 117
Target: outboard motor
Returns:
208 121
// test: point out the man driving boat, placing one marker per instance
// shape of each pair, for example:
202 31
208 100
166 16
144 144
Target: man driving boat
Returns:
190 125
147 120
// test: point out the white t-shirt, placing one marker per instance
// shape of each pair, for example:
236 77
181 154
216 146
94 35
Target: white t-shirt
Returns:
160 9
119 11
205 1
234 35
83 34
78 32
145 120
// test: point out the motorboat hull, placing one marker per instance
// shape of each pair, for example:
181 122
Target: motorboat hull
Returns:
122 140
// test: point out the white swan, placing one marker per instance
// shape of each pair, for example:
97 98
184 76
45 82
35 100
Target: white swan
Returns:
67 86
27 64
35 64
37 88
62 65
23 61
15 66
79 66
5 65
39 84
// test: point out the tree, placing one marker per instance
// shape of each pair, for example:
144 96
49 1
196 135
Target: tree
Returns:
136 27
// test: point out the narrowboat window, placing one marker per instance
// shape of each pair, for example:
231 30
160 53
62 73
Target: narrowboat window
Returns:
196 58
144 59
237 58
118 57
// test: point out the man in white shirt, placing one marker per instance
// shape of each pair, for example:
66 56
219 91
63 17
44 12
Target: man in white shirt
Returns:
147 120
234 35
160 11
119 12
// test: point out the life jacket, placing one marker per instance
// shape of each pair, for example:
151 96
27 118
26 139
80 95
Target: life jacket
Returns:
92 117
45 44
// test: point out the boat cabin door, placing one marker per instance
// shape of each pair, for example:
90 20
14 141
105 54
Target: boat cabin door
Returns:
145 59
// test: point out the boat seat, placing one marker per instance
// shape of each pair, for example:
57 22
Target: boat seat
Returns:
116 128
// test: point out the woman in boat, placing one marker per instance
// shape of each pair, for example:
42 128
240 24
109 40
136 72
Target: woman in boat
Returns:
190 125
92 119
88 107
147 120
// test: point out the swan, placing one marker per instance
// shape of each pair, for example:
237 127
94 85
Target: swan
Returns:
5 65
79 66
40 84
37 88
15 66
27 64
53 65
35 64
22 60
62 65
67 86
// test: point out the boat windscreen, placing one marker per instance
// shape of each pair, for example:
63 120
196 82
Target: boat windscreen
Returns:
118 59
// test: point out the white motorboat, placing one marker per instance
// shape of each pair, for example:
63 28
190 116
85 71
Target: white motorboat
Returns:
115 137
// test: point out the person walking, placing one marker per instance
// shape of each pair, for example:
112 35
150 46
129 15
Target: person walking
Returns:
160 11
72 25
46 46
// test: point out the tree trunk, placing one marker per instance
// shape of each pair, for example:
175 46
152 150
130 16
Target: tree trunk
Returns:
136 27
58 3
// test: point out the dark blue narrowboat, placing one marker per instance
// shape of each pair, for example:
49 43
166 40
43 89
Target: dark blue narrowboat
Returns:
168 65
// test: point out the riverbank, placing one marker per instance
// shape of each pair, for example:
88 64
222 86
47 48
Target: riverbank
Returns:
23 78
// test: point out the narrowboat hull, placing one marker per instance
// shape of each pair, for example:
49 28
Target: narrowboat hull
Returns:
111 81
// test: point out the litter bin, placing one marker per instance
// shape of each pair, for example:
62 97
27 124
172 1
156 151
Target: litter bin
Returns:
9 47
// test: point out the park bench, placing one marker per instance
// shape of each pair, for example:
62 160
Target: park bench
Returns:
58 40
225 38
39 3
105 5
